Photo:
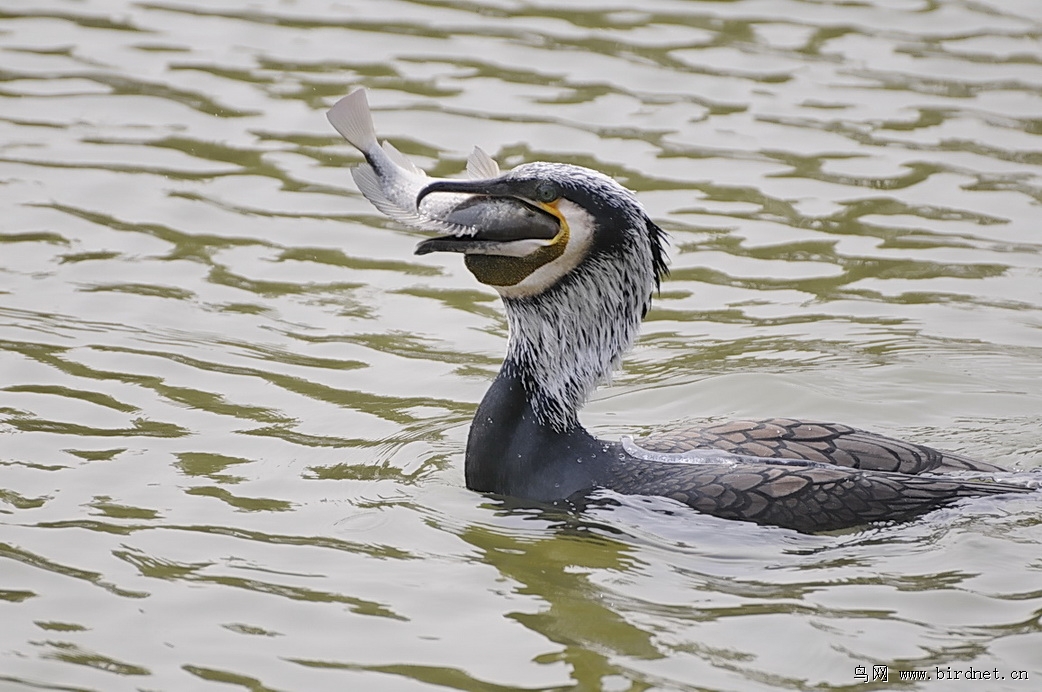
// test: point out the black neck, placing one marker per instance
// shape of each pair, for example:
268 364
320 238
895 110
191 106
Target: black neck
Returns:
510 452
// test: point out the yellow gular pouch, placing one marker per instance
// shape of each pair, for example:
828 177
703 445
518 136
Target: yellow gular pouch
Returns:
503 270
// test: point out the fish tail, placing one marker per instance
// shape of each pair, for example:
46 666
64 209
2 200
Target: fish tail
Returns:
350 117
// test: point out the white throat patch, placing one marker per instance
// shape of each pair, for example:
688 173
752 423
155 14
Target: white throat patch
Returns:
580 236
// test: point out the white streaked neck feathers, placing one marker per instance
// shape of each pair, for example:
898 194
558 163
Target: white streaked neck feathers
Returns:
567 340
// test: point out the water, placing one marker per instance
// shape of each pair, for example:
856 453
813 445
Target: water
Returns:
233 403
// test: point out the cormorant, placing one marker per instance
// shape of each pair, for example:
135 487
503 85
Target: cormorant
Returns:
576 260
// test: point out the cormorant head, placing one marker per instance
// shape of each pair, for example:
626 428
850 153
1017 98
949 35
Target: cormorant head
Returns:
531 228
576 260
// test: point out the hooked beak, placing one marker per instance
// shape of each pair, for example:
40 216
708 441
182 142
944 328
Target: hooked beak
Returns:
499 217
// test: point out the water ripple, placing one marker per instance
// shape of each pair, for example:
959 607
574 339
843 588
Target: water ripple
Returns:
234 403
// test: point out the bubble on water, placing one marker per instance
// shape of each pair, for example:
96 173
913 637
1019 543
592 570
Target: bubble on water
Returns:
692 456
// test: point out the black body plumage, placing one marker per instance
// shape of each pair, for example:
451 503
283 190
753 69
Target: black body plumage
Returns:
805 476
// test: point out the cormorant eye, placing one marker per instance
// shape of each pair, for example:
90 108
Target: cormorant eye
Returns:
546 192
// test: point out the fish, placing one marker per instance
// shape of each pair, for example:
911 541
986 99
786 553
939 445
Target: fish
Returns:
391 182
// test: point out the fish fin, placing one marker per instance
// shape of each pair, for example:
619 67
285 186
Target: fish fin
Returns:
481 165
350 117
400 159
368 182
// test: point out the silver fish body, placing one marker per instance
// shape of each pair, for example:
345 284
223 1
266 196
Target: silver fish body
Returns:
391 182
